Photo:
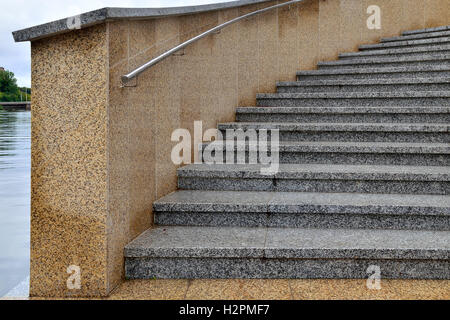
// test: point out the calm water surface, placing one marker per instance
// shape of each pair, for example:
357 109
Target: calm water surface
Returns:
15 143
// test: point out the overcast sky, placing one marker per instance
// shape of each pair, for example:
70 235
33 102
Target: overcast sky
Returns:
20 14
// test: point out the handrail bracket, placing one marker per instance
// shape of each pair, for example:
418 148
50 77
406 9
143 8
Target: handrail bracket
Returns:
128 83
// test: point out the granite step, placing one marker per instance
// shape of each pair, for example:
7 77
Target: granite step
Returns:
303 210
317 178
427 30
424 61
426 35
363 178
353 153
375 73
357 99
365 85
277 253
407 43
346 132
345 114
397 52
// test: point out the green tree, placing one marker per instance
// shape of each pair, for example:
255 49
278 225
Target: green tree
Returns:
9 91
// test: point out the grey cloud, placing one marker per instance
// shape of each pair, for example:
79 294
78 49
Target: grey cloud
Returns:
19 14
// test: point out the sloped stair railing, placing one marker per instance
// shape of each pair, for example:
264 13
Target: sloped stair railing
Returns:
133 74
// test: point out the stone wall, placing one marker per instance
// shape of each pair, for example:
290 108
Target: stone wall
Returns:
101 153
69 175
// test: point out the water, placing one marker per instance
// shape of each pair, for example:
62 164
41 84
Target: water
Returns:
15 148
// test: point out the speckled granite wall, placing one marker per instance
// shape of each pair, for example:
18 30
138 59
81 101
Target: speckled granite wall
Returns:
101 153
69 162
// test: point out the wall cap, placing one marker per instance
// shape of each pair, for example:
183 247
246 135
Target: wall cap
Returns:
105 14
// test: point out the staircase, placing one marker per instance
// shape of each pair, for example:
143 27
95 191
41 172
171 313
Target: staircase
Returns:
363 179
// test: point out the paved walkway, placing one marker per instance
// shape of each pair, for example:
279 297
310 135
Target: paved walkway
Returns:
279 290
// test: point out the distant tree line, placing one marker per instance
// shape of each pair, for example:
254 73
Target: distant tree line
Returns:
9 90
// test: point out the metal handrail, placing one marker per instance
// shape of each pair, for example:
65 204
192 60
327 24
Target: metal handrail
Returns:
126 78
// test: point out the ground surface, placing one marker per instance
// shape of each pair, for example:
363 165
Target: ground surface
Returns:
280 290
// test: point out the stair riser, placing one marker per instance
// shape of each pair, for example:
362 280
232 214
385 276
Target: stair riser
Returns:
396 75
427 30
366 159
344 118
409 44
387 55
302 220
311 185
365 88
394 53
363 136
248 268
355 102
384 65
429 35
354 158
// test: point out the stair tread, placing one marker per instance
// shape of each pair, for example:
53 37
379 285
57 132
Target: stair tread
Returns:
426 30
405 43
428 57
374 70
320 172
355 95
348 82
435 34
300 202
344 110
360 147
273 243
395 51
379 127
